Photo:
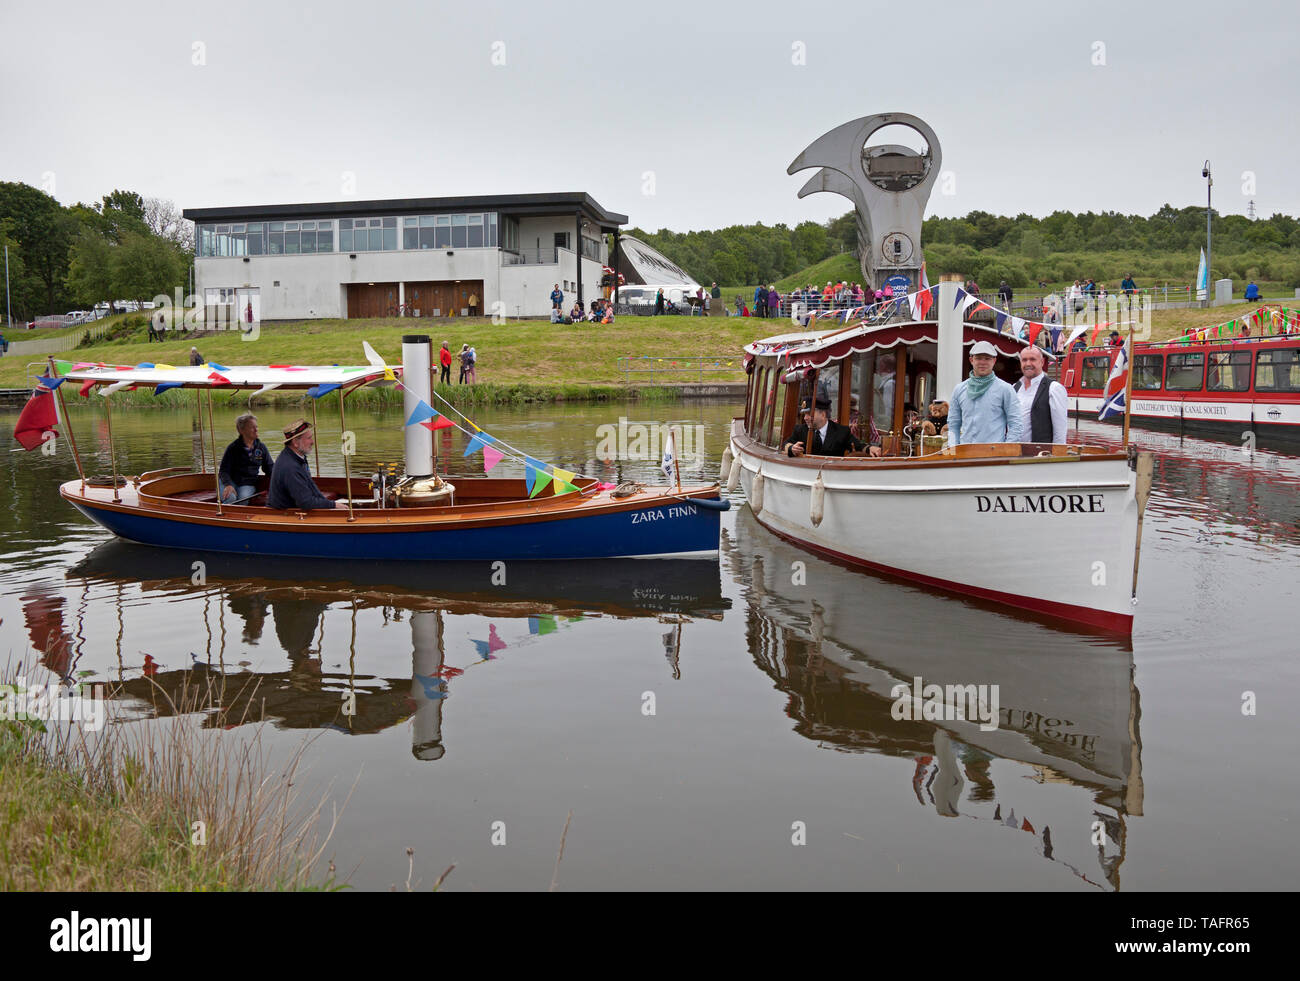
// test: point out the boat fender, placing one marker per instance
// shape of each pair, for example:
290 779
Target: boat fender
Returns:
725 469
817 504
734 480
756 492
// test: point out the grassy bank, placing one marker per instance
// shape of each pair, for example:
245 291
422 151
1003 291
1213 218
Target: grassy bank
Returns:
86 812
518 361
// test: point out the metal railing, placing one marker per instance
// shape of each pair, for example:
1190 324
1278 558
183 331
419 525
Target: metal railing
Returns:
53 345
698 365
531 257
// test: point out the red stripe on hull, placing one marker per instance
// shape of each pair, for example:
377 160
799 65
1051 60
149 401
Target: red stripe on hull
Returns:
1119 623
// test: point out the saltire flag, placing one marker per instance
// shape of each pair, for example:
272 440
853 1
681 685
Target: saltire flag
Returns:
37 418
1202 278
670 455
1112 402
926 297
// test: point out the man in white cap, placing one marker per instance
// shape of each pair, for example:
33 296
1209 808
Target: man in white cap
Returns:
291 483
984 408
1044 404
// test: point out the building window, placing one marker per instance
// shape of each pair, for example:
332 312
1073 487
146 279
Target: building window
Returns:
562 240
459 232
475 231
367 235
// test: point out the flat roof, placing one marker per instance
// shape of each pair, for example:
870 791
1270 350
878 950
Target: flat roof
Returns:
516 205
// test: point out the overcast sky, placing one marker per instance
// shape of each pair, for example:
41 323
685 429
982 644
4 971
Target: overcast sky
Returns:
1037 107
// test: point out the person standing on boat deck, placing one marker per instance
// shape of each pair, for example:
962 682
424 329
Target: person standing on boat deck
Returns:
1044 405
824 437
291 483
984 408
244 461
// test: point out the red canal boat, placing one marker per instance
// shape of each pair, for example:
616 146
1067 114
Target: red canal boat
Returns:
1212 387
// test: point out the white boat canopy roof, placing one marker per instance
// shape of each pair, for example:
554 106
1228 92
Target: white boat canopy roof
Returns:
817 349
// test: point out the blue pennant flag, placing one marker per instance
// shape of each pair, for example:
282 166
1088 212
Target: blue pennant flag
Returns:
420 413
316 391
961 296
477 442
221 367
145 364
163 386
1000 319
531 469
51 383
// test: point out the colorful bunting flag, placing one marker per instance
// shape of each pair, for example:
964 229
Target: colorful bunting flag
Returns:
316 391
437 422
51 383
479 440
565 479
536 475
421 412
164 386
491 457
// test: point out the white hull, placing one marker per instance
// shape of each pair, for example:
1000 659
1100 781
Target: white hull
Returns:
1055 538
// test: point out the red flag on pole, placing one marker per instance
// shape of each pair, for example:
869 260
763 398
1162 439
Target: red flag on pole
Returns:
37 418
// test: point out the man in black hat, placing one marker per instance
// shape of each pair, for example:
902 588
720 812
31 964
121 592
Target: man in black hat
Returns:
824 437
291 483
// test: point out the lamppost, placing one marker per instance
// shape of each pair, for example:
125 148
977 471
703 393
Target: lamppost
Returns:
1209 187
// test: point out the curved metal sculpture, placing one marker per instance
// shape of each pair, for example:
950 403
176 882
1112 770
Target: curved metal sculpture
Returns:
889 186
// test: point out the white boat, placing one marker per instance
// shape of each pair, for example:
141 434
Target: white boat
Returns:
1048 529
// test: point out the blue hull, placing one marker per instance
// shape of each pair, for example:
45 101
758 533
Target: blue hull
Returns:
678 529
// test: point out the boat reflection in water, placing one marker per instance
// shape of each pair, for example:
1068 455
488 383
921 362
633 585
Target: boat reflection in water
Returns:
294 594
839 644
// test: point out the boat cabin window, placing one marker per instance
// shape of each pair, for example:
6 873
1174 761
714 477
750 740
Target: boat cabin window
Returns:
1148 372
1186 372
1229 371
752 400
1096 370
1278 370
772 435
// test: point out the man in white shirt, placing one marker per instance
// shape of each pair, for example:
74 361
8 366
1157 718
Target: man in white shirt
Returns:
1044 405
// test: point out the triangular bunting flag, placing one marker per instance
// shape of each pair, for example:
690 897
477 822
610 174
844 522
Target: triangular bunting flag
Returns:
219 379
479 440
565 479
1034 331
421 412
316 391
437 422
1000 321
491 457
536 475
164 386
86 386
51 383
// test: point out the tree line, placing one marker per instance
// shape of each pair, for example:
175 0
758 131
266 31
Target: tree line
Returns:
124 247
1024 250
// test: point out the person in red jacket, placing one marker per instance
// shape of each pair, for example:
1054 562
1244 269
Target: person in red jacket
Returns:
444 358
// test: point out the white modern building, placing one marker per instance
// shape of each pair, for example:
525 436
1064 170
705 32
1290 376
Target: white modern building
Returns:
425 257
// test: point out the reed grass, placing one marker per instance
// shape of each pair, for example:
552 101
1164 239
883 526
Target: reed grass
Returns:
119 809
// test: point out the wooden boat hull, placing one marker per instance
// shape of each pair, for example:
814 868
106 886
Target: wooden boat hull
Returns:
1052 537
650 524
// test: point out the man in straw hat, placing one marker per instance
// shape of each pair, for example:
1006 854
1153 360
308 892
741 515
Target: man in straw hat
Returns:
291 483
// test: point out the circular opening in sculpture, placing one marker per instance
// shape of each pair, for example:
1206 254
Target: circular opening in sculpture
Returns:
896 157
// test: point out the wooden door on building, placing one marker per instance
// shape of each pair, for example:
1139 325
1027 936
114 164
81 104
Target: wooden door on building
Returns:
443 298
372 300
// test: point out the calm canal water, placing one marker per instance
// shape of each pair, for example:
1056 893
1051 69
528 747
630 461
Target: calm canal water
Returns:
486 711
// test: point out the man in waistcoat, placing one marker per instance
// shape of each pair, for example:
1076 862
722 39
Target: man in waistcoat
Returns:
1043 402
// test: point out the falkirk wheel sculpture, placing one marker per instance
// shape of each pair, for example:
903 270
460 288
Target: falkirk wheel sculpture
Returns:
889 186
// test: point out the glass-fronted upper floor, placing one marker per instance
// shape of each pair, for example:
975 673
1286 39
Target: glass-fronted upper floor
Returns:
483 230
